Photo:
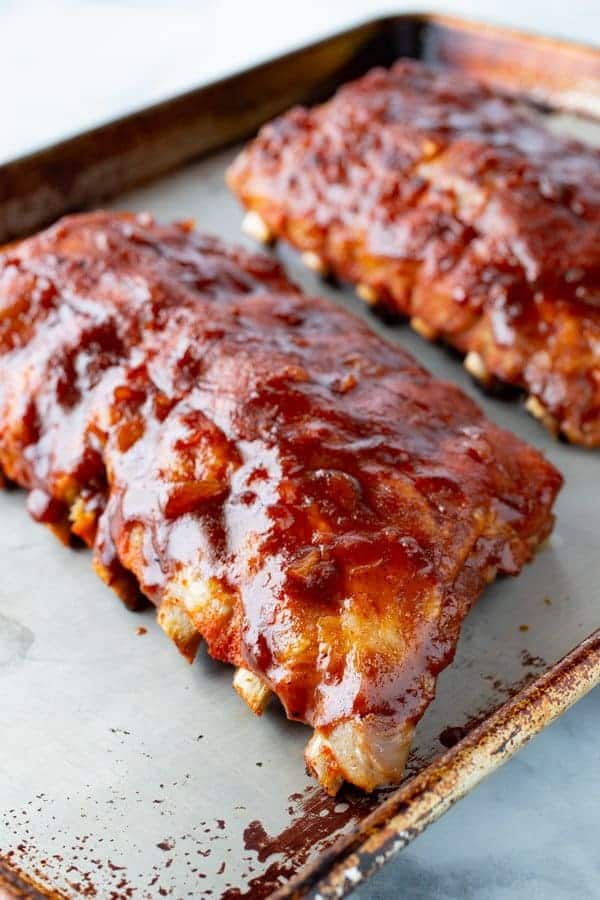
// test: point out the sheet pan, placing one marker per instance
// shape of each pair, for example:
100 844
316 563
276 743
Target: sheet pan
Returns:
126 773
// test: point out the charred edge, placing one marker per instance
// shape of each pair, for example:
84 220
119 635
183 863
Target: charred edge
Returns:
478 369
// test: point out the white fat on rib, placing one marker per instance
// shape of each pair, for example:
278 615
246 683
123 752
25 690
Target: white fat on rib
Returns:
366 752
205 599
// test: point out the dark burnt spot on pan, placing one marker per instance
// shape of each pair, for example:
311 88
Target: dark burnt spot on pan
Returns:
531 661
533 665
316 821
166 845
451 736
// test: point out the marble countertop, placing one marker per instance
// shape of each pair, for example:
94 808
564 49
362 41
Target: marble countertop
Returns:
531 830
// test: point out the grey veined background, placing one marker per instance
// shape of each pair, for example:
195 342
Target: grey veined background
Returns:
531 831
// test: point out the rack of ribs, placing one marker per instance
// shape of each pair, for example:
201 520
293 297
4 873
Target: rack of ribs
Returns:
455 206
279 481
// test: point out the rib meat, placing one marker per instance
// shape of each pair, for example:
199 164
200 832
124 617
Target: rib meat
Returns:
456 207
275 478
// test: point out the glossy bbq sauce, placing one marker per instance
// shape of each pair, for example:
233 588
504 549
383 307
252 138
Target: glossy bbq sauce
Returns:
299 490
455 205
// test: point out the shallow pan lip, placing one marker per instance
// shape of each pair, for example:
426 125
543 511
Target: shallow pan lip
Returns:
15 884
425 797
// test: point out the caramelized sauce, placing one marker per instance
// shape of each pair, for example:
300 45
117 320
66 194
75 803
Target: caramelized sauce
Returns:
452 204
195 415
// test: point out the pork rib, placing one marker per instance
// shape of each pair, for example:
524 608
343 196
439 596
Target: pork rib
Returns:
279 481
451 205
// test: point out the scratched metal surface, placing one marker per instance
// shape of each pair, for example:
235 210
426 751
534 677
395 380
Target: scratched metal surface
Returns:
125 772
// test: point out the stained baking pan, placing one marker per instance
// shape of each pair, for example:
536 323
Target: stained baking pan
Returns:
123 771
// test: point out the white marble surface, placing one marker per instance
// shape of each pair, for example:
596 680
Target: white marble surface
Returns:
532 829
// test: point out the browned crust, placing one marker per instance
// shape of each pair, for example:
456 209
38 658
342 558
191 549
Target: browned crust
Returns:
379 501
484 233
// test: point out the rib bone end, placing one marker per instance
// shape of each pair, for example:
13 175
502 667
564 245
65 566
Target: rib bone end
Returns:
315 262
123 583
539 411
424 329
367 293
366 752
475 365
322 763
175 621
255 227
251 689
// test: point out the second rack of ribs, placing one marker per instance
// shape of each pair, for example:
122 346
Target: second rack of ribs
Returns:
278 480
452 205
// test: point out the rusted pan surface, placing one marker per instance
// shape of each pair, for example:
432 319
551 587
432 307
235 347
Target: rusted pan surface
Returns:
547 70
13 886
401 818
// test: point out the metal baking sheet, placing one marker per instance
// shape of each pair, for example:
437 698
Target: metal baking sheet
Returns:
125 772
